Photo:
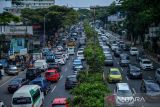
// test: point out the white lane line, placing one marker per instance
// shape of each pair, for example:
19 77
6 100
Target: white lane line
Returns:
61 77
127 78
134 91
7 81
53 88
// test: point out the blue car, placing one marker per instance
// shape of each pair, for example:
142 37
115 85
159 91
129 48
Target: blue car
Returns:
77 65
43 83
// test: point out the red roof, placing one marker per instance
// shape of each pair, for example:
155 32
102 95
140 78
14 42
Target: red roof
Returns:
52 70
60 101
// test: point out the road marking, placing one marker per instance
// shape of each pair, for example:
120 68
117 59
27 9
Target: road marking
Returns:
127 78
61 77
53 88
134 91
7 82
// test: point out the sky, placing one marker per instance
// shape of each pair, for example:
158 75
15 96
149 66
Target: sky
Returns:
83 3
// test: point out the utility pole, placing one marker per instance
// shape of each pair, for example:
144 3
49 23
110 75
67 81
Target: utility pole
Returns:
44 31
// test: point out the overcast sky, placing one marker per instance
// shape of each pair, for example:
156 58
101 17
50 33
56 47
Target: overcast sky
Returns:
83 3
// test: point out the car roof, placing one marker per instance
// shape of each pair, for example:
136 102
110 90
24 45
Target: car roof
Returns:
25 88
122 86
59 101
114 69
145 59
51 70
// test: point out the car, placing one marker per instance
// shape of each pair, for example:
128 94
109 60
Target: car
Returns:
134 72
52 75
54 65
157 75
60 59
4 63
16 83
109 59
71 50
133 51
32 73
80 55
50 58
41 65
77 64
123 95
117 52
140 57
106 48
71 82
114 47
43 83
151 89
106 52
60 102
114 75
12 70
2 104
124 60
59 48
146 64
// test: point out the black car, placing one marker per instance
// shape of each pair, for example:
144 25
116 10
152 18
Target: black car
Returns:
32 73
117 52
71 82
151 89
16 83
134 72
55 66
124 60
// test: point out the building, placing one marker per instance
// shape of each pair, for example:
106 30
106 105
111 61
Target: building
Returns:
15 37
17 5
4 4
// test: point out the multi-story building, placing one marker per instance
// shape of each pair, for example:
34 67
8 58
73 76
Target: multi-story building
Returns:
4 4
17 5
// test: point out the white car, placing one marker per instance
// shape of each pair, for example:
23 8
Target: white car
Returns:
123 95
134 51
146 64
60 59
80 55
114 47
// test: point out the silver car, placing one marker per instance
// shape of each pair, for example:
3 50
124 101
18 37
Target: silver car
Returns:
12 70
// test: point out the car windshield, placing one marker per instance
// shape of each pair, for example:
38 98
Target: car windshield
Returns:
124 93
146 62
134 50
153 87
115 73
58 105
109 57
21 100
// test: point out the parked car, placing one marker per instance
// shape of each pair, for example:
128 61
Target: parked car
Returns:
54 65
43 83
151 89
157 75
77 64
109 60
60 102
71 81
16 83
124 60
123 92
32 73
41 65
146 64
114 75
134 72
133 51
52 75
12 70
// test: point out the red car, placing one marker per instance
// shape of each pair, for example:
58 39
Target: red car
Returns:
52 75
60 102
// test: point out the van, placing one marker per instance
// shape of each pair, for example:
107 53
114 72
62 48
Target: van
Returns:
41 64
71 50
28 96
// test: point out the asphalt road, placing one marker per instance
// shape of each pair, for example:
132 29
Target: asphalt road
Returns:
57 89
133 83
